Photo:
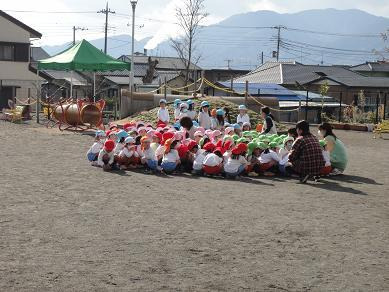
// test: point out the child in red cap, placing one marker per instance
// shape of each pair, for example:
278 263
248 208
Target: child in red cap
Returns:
170 159
106 157
236 163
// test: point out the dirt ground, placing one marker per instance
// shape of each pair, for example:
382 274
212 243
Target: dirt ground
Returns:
67 226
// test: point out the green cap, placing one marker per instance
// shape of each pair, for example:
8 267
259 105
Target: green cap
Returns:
262 146
241 140
235 137
251 147
273 144
247 134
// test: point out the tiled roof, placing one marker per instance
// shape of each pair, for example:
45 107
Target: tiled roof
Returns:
76 78
37 53
372 66
164 63
140 70
290 73
160 76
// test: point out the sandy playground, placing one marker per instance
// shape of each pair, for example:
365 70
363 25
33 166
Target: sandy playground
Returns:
67 226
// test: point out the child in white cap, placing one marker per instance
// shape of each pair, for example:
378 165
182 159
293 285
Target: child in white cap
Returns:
177 103
183 110
191 111
204 117
94 150
129 157
163 113
243 117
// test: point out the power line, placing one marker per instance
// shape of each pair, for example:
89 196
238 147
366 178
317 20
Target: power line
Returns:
334 34
49 12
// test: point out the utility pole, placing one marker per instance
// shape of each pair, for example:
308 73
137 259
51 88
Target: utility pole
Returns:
262 58
106 11
279 27
228 64
74 32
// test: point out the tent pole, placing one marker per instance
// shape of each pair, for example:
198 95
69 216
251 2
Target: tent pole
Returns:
94 86
71 84
37 97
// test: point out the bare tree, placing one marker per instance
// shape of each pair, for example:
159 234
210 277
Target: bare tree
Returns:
189 19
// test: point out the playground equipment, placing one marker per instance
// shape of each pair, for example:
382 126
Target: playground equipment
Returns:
77 115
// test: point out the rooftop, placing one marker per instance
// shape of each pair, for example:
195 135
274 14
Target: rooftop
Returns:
164 63
290 73
372 67
33 32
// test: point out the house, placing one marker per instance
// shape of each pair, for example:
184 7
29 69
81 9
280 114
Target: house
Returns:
373 69
57 83
150 72
288 100
345 84
16 78
164 63
216 75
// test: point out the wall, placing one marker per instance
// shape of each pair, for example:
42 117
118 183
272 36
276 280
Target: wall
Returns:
17 74
12 33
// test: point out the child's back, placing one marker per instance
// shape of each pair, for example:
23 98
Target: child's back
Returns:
94 150
269 156
234 164
199 159
212 160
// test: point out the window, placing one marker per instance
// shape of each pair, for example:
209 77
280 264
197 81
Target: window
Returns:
18 52
7 52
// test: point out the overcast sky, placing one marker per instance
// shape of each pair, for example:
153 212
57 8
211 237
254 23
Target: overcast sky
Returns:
57 28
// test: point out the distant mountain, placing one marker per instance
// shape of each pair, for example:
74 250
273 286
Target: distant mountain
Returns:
117 45
230 40
241 39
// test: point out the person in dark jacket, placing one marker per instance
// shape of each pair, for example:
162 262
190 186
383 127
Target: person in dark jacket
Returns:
269 126
306 155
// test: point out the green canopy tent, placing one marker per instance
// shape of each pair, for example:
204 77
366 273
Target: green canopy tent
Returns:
83 56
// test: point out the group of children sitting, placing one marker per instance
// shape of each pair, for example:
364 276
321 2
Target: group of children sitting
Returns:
229 152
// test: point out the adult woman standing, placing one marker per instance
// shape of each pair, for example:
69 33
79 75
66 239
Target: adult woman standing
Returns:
306 155
269 126
338 153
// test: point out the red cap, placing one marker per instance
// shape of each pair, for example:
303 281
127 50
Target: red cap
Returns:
242 147
239 149
159 135
109 145
182 150
161 125
219 149
227 145
191 145
107 133
166 136
127 126
209 147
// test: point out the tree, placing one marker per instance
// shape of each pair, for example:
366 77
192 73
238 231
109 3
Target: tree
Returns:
189 19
